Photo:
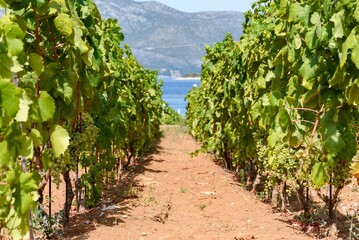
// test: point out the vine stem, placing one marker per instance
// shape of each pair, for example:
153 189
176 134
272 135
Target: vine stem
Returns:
319 113
302 120
307 109
315 127
31 231
38 41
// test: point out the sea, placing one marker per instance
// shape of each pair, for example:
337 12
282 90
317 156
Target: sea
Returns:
175 91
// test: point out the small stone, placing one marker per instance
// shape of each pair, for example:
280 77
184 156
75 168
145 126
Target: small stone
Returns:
143 234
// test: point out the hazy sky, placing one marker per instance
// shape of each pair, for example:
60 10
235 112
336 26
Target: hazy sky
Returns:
208 5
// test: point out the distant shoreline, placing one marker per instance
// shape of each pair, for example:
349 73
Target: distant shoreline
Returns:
187 78
179 78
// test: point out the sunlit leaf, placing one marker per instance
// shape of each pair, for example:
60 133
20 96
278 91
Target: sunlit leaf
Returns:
60 140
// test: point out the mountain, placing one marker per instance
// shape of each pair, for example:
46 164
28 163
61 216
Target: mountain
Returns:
167 39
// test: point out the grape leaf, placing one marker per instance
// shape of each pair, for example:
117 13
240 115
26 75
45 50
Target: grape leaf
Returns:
356 12
36 63
10 97
24 106
3 4
352 93
46 106
60 140
63 24
25 194
338 19
4 154
15 46
318 175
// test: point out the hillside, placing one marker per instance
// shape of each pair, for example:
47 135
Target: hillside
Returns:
165 38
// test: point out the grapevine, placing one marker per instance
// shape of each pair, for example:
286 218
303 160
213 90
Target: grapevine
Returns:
71 98
285 96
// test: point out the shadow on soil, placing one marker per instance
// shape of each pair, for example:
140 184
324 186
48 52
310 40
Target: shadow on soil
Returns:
317 225
117 202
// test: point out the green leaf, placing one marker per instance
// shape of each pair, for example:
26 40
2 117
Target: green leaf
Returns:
273 138
355 55
295 139
10 98
352 93
5 66
261 82
273 98
36 63
40 3
311 38
36 137
308 68
23 113
13 30
15 46
60 140
57 6
63 24
338 19
318 175
315 19
77 38
25 194
3 4
299 13
350 43
297 41
27 148
152 92
356 13
338 77
4 154
46 106
283 118
333 142
94 79
255 110
265 100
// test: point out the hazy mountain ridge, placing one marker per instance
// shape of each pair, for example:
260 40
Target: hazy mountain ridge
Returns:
165 38
162 37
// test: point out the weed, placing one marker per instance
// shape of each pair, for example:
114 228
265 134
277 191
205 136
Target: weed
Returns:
354 228
183 190
202 206
44 225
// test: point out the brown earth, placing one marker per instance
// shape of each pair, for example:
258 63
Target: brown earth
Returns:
171 195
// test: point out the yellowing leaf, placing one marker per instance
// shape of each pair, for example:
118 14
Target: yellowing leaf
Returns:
23 113
63 24
338 19
60 140
355 169
356 13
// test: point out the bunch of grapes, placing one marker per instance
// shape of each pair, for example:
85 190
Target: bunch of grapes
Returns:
89 130
58 165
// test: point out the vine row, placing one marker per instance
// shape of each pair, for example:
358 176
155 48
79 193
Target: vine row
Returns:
280 106
71 99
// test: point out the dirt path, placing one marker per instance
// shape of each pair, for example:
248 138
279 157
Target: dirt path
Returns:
173 196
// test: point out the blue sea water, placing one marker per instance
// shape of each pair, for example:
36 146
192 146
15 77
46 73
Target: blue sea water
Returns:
174 92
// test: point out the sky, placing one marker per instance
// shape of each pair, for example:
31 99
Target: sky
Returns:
207 5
